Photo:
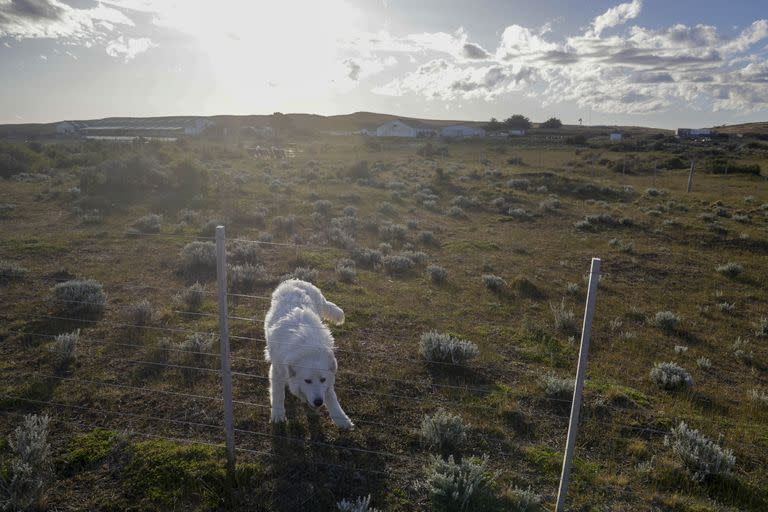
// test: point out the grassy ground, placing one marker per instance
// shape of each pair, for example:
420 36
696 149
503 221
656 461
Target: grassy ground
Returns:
661 256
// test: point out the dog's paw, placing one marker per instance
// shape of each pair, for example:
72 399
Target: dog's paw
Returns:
277 416
344 423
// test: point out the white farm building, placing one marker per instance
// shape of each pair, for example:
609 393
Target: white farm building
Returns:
70 127
615 137
397 128
460 131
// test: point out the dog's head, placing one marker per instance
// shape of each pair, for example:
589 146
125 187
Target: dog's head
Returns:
310 377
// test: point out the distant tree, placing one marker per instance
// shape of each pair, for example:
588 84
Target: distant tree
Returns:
517 122
552 122
281 122
494 125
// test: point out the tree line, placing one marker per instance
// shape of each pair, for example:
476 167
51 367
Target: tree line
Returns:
520 122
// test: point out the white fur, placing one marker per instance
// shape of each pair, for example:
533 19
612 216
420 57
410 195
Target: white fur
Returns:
300 348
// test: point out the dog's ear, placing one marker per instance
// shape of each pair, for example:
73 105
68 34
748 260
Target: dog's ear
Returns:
291 371
334 365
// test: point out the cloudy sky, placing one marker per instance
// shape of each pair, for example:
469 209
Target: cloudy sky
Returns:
645 62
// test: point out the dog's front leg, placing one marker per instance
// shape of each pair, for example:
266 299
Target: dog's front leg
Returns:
338 415
277 393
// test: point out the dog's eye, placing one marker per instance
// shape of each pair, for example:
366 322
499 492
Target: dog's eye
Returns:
308 381
322 379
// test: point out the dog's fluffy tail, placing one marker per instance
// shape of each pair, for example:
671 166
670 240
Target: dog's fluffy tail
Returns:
333 313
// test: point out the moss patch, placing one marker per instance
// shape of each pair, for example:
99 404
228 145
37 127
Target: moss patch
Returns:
176 476
89 449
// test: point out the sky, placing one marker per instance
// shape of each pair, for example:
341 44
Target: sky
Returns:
691 63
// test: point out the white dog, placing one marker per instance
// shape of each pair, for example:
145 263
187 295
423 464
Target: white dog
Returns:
300 348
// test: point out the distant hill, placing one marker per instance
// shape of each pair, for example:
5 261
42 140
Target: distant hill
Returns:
312 123
760 128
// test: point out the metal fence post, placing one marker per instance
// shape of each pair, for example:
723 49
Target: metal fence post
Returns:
690 175
581 369
226 371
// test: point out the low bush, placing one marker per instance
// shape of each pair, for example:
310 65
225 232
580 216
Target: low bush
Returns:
360 504
525 500
459 487
245 278
556 387
443 432
191 298
730 269
444 348
79 297
307 274
11 271
494 282
397 264
284 225
65 349
345 270
31 467
565 319
670 376
139 313
456 212
392 232
437 274
149 223
370 258
426 238
761 327
701 457
193 354
666 320
242 251
323 207
198 257
519 184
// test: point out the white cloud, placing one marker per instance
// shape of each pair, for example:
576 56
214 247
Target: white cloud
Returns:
638 70
616 16
53 19
128 48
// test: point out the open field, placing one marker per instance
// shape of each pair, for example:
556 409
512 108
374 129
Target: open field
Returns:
532 214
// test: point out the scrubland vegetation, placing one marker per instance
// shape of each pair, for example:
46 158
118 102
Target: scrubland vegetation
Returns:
461 270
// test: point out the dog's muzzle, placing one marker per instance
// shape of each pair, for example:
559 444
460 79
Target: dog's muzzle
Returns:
317 402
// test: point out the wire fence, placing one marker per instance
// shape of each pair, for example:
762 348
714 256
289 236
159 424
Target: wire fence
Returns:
382 440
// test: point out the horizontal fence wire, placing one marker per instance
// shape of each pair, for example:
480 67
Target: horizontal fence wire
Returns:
204 443
197 424
130 286
422 400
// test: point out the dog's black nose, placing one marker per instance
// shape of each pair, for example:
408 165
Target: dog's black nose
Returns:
318 402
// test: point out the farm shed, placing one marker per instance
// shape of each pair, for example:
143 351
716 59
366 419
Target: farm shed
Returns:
615 137
397 128
460 131
149 127
70 127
